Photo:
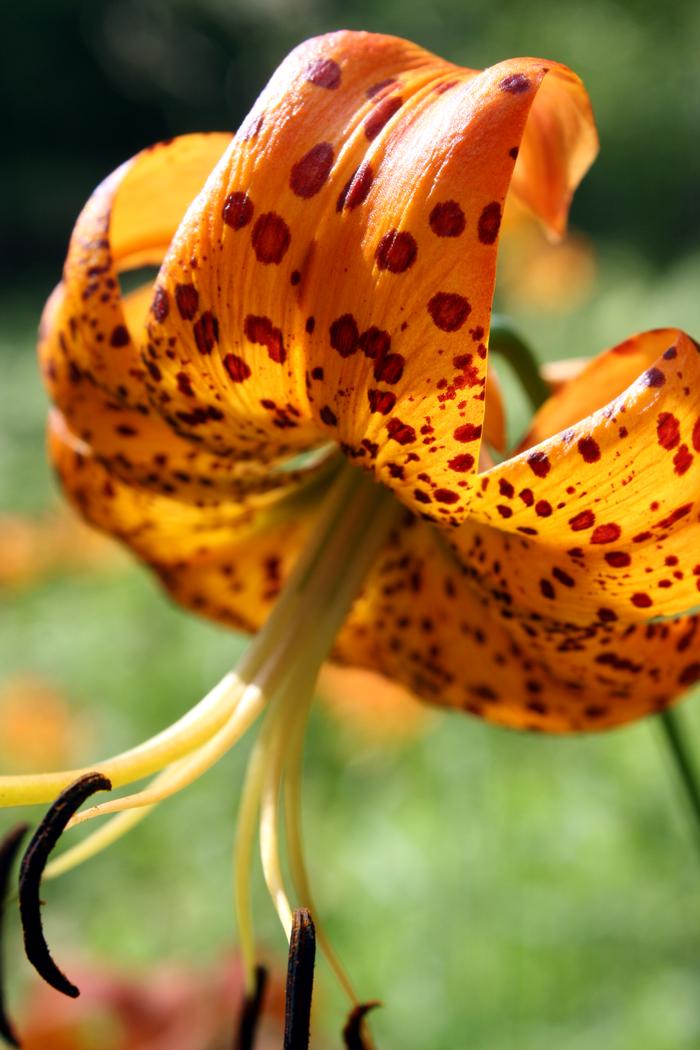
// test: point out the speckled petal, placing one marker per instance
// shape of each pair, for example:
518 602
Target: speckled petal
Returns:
136 444
127 223
225 561
601 520
336 279
426 621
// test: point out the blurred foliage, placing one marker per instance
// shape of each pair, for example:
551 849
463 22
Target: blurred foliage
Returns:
492 889
85 85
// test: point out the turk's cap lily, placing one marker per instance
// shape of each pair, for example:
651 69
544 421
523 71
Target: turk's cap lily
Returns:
292 426
329 288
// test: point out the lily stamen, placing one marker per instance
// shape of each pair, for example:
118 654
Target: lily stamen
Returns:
250 1014
300 979
9 848
33 862
354 1036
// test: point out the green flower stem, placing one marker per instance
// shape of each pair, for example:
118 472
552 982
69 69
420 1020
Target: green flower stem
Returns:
504 340
673 732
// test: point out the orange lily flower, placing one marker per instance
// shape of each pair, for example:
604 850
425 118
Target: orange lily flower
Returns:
291 425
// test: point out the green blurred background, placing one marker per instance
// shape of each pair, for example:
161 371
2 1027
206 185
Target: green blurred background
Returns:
495 891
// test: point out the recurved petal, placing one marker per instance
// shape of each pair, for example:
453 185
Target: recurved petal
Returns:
559 147
402 338
241 277
136 444
128 222
336 279
425 622
421 620
601 520
226 561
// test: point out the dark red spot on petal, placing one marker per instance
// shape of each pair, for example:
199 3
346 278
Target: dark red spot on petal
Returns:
490 223
583 520
270 238
682 460
381 401
563 577
396 251
356 188
449 311
641 600
547 589
446 496
238 210
539 464
468 432
654 377
375 343
310 174
328 416
606 533
236 367
589 449
206 332
504 510
380 115
447 219
696 436
543 508
462 463
376 88
401 432
690 674
324 72
261 330
515 84
389 369
161 304
668 430
344 335
119 336
618 559
184 384
187 299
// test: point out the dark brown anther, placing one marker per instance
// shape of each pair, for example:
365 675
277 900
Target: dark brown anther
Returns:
354 1036
300 981
32 868
9 847
250 1014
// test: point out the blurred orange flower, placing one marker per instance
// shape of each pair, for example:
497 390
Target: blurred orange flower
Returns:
169 1009
31 548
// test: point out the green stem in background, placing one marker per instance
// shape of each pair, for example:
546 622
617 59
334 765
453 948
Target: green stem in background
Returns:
507 342
671 723
509 345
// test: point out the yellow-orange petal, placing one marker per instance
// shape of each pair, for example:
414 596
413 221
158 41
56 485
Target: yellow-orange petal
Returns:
560 145
336 279
226 561
128 222
136 444
424 621
601 520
